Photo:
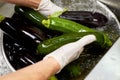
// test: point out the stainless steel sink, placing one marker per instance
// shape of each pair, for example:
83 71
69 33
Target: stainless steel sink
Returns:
109 66
6 10
102 70
114 5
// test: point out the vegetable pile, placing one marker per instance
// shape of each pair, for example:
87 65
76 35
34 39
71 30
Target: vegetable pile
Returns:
32 30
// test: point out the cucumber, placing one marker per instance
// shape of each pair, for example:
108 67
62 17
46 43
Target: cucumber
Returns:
65 26
50 45
34 16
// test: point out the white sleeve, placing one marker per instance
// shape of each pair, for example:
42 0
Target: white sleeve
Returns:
47 7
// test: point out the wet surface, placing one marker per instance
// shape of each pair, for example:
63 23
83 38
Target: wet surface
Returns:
20 57
86 61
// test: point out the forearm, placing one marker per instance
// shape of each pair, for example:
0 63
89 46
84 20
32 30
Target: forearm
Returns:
39 71
27 3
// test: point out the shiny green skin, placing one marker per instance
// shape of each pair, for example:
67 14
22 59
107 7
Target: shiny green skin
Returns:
65 26
52 44
32 15
53 78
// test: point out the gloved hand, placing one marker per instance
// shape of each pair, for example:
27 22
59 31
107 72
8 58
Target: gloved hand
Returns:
71 51
46 7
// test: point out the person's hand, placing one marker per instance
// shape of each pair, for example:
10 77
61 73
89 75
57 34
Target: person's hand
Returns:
71 51
46 7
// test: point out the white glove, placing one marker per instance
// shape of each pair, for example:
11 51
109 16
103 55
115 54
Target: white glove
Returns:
71 51
46 7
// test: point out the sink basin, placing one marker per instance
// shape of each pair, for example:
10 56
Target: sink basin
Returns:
114 27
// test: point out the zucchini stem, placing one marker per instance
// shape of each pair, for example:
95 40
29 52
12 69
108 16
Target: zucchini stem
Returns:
46 23
1 18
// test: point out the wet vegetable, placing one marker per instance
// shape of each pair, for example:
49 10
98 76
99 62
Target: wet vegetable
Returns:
87 18
26 35
65 26
50 45
26 59
32 15
17 55
73 69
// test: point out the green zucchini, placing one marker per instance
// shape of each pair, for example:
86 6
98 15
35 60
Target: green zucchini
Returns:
73 69
50 45
65 26
30 14
53 78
